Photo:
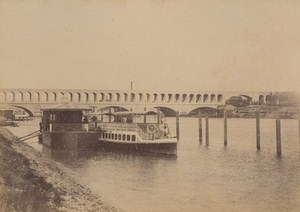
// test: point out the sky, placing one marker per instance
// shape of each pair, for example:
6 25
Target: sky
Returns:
176 45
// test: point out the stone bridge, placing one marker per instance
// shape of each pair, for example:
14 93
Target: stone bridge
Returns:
31 100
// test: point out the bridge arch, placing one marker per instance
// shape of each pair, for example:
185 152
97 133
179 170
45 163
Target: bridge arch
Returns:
27 96
71 96
19 97
198 98
101 97
163 97
94 97
177 97
205 111
118 97
205 98
170 97
43 96
212 98
132 97
184 97
125 97
115 107
109 97
220 98
191 98
29 112
9 96
52 97
155 96
141 97
147 97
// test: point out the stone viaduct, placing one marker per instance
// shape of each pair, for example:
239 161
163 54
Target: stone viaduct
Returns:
31 100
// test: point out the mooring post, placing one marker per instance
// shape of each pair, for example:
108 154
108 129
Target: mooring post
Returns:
109 116
200 127
145 117
158 116
278 137
258 130
177 125
225 127
299 124
207 131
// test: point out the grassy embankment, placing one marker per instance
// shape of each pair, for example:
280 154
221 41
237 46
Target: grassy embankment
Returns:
29 182
21 188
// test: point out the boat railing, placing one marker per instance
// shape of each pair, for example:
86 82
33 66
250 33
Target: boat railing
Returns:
148 131
118 126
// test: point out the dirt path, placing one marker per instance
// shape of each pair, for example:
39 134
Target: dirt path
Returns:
30 182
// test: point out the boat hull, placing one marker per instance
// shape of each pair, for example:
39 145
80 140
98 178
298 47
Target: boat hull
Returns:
153 147
70 140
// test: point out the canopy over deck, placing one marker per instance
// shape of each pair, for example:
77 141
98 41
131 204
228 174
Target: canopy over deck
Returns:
124 113
67 107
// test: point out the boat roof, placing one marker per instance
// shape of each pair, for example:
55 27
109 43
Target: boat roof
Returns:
126 113
67 107
134 112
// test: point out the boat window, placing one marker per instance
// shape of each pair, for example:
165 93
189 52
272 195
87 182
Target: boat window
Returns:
128 137
116 136
112 136
120 137
105 135
109 135
133 137
124 137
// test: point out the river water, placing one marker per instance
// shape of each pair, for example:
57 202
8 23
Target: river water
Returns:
200 178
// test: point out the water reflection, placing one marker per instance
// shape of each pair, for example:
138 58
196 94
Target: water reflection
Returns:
80 158
200 178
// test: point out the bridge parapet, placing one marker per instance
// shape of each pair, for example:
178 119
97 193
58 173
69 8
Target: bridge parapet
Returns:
103 96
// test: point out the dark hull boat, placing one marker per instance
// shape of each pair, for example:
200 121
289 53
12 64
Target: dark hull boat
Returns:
66 127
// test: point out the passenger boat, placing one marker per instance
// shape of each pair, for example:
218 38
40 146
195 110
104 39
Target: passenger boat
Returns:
66 126
138 131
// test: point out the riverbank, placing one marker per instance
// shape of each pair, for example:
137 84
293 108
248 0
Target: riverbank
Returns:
30 182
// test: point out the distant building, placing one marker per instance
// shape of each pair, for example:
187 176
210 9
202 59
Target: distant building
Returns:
6 114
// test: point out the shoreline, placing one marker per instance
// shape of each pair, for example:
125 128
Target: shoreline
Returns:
30 182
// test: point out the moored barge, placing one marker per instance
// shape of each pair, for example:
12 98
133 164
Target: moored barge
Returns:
66 126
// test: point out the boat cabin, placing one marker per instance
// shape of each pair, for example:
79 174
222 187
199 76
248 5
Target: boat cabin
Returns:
65 117
67 126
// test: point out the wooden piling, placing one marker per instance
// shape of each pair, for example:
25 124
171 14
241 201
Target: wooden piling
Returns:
207 131
177 125
225 127
200 127
109 116
258 130
158 116
299 125
145 117
278 137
